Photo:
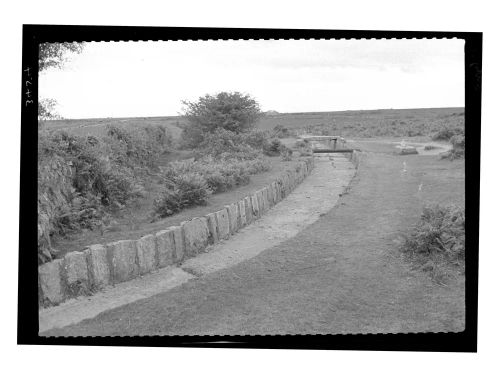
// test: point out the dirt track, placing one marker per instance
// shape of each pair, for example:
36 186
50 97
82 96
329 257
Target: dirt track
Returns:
342 274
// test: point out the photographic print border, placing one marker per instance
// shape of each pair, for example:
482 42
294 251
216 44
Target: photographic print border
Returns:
465 341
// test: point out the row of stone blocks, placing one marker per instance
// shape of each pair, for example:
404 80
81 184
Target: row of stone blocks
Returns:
88 271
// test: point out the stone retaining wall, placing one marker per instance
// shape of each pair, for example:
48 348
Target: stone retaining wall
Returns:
89 271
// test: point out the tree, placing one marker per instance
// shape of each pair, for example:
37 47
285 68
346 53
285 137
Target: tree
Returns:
231 111
53 55
46 109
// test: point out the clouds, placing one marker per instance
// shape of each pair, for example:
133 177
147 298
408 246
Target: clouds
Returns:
152 78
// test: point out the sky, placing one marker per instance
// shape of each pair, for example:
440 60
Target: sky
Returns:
141 79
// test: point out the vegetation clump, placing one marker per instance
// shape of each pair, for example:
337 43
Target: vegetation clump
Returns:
438 239
83 179
191 182
231 111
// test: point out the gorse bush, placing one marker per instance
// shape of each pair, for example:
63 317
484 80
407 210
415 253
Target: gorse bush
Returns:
441 230
81 179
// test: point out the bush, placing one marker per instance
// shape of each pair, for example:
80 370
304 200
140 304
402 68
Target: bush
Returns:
458 148
446 133
256 139
273 148
191 182
139 147
281 131
234 112
286 153
301 144
54 195
223 142
441 230
81 179
185 190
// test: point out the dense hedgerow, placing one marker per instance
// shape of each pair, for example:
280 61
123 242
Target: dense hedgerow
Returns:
439 233
81 179
191 182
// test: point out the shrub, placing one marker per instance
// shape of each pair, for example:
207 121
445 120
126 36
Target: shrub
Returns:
281 131
231 111
185 190
222 142
446 133
81 179
191 182
301 144
286 153
54 195
458 148
273 148
256 139
139 147
441 230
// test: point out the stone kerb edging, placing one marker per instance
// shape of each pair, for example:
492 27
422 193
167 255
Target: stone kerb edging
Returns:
86 272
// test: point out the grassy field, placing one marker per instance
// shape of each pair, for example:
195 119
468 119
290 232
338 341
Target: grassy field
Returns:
369 123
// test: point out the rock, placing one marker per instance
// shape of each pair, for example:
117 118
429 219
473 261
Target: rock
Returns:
196 235
97 263
146 254
212 228
165 245
274 192
51 285
76 274
270 196
222 218
255 207
243 213
232 210
180 246
248 209
123 256
262 195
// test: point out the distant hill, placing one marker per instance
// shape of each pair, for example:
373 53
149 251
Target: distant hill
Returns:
272 112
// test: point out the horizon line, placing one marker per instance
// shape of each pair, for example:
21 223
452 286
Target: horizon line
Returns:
279 112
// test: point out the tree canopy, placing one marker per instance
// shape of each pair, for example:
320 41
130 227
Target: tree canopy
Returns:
53 54
232 111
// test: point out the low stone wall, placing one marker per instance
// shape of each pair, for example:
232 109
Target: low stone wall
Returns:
89 271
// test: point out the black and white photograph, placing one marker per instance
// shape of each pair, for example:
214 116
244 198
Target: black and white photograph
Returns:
251 187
